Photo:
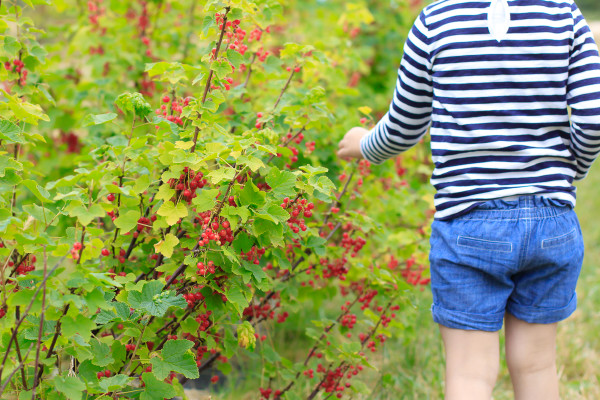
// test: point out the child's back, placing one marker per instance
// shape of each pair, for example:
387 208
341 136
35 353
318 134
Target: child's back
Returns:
497 100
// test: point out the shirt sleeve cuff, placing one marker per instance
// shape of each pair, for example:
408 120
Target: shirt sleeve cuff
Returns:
365 144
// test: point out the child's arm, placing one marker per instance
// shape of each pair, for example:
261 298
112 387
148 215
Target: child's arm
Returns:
583 95
409 116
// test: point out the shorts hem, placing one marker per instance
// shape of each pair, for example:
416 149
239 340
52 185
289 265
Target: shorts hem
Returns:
537 315
467 321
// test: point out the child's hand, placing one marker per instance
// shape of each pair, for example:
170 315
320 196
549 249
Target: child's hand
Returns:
349 146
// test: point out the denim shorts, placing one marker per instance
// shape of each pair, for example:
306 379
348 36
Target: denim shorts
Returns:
521 256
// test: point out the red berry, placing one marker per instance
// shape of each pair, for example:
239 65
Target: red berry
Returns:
110 197
166 99
105 252
77 246
214 379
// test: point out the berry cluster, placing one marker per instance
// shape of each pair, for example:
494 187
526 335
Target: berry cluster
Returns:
102 374
350 244
253 255
349 320
187 183
2 312
298 207
171 109
130 347
266 393
193 298
331 379
75 250
203 320
234 35
219 232
19 68
282 317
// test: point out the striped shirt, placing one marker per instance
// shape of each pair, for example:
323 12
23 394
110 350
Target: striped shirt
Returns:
494 90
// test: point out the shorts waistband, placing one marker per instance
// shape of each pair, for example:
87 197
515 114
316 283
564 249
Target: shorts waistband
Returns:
518 207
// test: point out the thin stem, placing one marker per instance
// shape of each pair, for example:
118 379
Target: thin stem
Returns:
39 338
211 72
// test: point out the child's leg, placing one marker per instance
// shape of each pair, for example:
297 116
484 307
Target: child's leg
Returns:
472 363
531 359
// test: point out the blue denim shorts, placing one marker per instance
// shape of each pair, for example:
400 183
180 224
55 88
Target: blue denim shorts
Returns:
521 256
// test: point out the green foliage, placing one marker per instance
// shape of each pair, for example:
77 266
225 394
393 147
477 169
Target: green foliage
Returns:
161 202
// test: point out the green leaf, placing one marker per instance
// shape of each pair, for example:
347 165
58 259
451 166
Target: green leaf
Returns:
71 386
282 183
175 357
114 382
141 184
9 163
246 338
85 216
205 200
98 119
42 194
165 247
81 324
236 297
221 174
251 195
128 220
235 58
173 212
153 300
101 353
221 67
156 389
165 192
10 131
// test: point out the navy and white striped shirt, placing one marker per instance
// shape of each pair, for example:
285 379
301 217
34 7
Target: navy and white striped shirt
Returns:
497 109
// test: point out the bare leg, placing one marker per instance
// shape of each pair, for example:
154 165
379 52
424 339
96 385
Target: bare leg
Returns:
531 359
472 363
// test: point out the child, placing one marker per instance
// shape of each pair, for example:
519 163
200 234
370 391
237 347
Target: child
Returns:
493 79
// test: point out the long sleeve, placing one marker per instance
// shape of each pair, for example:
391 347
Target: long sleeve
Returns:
583 95
409 115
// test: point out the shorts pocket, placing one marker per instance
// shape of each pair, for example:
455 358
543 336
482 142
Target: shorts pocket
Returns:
562 239
483 244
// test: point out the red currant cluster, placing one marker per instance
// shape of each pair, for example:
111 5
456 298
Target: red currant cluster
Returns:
414 276
130 347
350 244
144 224
204 320
258 124
393 263
349 320
172 108
170 378
282 317
261 338
297 207
233 34
310 146
214 379
261 53
19 68
75 250
335 268
266 393
400 170
256 311
364 167
188 182
203 269
309 373
224 235
193 298
330 382
366 298
102 374
253 255
95 12
2 312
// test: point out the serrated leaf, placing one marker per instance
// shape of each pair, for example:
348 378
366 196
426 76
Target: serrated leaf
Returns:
71 386
153 300
10 131
114 382
101 353
97 119
173 212
166 247
282 183
165 192
155 389
39 192
205 200
128 220
221 174
175 356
